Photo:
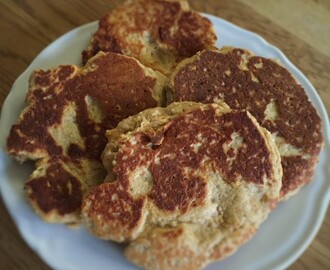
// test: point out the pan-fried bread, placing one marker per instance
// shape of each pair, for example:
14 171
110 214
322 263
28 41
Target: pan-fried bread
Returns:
63 127
159 33
269 92
187 184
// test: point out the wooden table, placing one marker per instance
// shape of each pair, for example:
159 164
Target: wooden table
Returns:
300 28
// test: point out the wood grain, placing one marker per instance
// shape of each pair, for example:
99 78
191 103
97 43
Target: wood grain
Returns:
300 28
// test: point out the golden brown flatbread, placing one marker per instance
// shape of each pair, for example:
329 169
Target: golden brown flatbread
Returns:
159 33
63 127
186 185
269 92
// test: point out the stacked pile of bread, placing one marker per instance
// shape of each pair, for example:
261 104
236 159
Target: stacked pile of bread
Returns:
163 141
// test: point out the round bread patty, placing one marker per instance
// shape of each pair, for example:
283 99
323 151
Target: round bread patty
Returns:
63 127
186 185
159 33
269 92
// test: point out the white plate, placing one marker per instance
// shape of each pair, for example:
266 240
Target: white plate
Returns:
281 239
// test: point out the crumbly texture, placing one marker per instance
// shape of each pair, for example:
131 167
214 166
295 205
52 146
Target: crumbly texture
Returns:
269 92
187 184
159 33
63 127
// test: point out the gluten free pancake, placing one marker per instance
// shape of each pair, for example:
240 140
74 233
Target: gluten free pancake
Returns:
186 185
63 127
269 92
159 33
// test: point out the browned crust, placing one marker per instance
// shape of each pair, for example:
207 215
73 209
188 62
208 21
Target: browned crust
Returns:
167 30
109 88
191 170
245 81
56 189
113 210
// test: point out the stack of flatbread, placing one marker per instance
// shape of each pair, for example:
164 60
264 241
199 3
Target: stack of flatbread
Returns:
163 141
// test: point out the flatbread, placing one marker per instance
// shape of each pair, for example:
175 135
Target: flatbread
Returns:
186 185
63 126
269 92
159 33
